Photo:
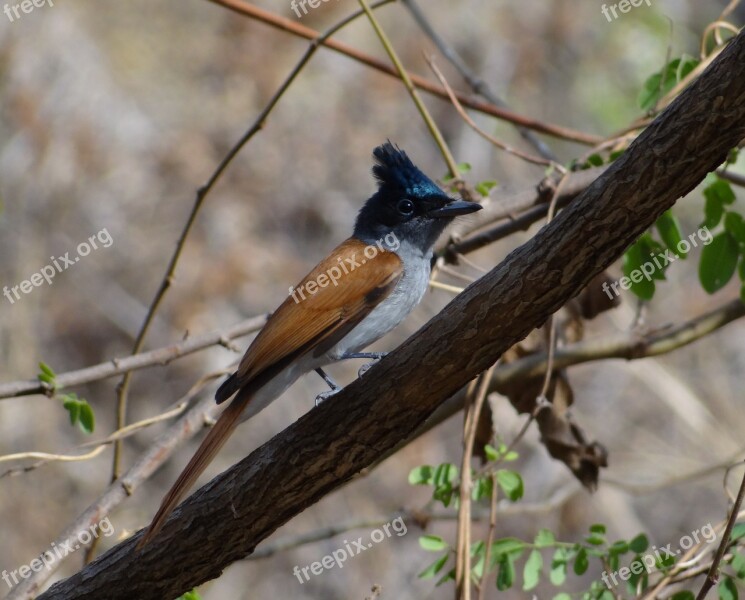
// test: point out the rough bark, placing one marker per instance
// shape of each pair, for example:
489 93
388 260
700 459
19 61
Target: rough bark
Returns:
225 520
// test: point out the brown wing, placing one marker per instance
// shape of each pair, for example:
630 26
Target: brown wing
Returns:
316 316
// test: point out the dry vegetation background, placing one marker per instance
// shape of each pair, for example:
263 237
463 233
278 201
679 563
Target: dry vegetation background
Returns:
113 113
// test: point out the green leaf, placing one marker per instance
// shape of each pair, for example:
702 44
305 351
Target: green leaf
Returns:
434 568
595 160
506 573
87 419
47 370
482 489
718 262
449 576
532 570
581 562
432 543
684 595
659 84
559 566
421 475
597 528
444 474
742 293
669 229
47 375
738 531
73 407
727 589
511 484
491 453
544 539
738 564
639 544
463 167
507 545
633 259
562 596
192 595
484 187
735 226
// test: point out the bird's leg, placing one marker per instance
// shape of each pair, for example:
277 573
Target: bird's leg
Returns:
335 387
364 368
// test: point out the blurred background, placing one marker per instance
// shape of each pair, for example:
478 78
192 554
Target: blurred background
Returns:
112 115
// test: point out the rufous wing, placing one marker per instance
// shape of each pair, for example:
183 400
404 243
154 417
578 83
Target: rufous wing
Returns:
316 320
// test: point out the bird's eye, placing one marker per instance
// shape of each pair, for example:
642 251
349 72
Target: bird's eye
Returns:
405 207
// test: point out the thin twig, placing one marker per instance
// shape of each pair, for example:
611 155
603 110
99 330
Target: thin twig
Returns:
713 575
477 84
268 18
428 120
536 160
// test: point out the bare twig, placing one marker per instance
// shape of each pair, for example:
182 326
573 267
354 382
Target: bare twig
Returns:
244 8
477 84
713 575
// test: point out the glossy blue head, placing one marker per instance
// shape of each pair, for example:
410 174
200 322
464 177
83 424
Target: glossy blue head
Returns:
407 203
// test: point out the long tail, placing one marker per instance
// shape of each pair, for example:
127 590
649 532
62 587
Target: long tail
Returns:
210 446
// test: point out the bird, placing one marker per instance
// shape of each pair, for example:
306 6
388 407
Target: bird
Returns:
363 289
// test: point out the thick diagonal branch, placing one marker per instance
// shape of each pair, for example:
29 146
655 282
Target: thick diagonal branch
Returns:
226 519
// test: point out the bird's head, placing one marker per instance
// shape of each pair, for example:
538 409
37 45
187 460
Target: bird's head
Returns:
408 203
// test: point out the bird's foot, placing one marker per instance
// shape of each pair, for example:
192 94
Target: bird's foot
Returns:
323 396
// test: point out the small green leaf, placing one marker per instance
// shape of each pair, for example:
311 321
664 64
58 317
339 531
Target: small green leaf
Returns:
558 572
595 160
581 562
485 187
718 262
47 370
562 596
639 544
727 589
684 595
432 543
434 568
633 259
506 573
445 473
738 531
597 528
544 539
511 484
735 226
738 564
508 545
192 595
669 229
72 407
87 419
532 570
421 475
491 453
449 576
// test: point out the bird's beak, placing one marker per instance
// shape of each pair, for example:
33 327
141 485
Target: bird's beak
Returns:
455 208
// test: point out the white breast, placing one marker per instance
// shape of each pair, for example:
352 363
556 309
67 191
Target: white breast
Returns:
394 309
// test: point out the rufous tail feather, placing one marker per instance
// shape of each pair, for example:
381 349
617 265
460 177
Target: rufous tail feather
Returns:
210 446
